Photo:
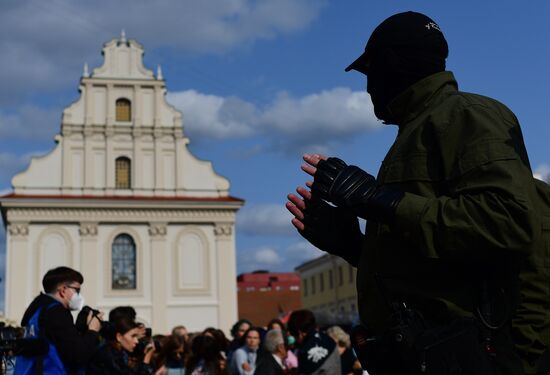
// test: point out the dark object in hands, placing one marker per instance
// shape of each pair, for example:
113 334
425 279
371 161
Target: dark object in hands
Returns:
351 187
107 329
81 322
332 229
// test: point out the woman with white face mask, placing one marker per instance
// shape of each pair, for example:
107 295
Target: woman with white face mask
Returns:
121 338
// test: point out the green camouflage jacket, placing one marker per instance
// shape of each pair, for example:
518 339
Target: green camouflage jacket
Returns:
468 212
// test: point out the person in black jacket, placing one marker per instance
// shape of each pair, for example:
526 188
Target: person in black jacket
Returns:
271 362
62 294
317 352
121 338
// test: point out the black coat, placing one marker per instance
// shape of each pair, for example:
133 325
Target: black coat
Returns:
74 349
111 361
267 365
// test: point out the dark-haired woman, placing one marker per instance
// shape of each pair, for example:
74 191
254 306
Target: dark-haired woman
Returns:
205 358
237 332
173 356
112 357
219 336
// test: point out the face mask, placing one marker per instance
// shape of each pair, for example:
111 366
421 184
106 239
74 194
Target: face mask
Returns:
291 340
76 303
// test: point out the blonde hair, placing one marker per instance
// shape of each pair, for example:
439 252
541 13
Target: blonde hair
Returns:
340 336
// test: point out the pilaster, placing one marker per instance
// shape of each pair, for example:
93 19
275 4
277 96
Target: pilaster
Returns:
17 261
89 262
159 270
88 159
159 168
109 159
226 275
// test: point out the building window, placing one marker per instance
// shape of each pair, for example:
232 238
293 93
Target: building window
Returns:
340 276
123 260
312 284
305 287
321 282
123 176
123 110
350 270
330 279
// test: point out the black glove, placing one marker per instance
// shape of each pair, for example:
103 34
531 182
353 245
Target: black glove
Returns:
351 187
332 229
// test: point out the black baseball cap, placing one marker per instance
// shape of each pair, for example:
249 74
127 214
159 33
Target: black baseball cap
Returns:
408 30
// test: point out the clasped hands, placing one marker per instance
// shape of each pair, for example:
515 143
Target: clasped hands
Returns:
347 187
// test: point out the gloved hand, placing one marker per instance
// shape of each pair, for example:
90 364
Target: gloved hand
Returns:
348 186
332 229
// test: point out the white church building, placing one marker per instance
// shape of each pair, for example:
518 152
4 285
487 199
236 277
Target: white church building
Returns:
122 199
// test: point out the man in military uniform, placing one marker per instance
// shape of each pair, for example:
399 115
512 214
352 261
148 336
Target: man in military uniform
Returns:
450 215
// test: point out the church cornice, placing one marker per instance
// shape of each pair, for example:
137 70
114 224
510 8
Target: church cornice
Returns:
123 81
106 215
147 202
110 130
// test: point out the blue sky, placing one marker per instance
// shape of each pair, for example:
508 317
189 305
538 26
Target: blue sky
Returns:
261 82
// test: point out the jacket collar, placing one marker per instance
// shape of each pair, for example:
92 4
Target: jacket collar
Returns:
417 98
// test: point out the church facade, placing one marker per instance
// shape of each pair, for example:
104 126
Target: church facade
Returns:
122 199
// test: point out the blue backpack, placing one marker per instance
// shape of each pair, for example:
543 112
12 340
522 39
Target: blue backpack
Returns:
49 364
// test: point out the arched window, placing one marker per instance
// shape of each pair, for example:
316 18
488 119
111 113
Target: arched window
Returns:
123 110
123 262
123 168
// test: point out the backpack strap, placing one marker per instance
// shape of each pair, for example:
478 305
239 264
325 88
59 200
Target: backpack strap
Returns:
42 336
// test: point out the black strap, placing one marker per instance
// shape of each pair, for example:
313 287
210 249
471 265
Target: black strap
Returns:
543 363
41 336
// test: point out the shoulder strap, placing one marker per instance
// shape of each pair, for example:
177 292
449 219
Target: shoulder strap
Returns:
42 335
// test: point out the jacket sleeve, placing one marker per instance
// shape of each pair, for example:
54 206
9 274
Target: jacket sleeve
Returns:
334 230
487 204
73 348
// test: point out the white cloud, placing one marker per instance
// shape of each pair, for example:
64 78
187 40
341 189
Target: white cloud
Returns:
542 172
269 219
260 258
267 256
302 252
329 111
76 29
210 116
317 121
312 123
275 259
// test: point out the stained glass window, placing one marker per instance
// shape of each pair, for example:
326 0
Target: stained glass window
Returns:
123 262
122 173
123 110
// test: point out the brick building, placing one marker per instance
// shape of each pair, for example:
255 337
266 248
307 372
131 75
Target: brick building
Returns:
264 295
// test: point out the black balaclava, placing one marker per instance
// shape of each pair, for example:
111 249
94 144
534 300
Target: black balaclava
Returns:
401 51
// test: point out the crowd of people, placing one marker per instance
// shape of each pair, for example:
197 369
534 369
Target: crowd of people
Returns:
299 347
119 344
